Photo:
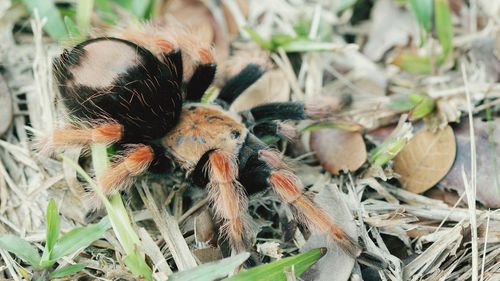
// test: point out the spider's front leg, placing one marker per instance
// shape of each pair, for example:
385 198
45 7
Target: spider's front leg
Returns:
264 167
228 197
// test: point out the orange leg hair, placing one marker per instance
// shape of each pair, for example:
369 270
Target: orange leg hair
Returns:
135 162
228 198
105 134
289 188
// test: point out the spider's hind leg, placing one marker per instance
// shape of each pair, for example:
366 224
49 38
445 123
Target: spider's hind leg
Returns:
105 133
263 167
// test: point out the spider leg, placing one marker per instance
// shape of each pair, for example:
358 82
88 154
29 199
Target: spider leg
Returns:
240 82
202 77
105 133
275 130
295 110
228 197
276 111
263 167
135 162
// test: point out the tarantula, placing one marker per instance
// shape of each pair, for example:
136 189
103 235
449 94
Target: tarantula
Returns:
142 90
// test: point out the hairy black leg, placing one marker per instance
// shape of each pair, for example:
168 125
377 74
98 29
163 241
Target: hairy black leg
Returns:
275 111
161 163
174 61
202 78
253 171
240 82
274 131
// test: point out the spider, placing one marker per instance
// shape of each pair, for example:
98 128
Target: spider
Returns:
141 90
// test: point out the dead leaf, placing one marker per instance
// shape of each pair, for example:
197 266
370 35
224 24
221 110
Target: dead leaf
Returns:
336 265
426 159
231 23
197 16
204 228
387 31
338 150
5 107
271 87
209 254
483 51
487 154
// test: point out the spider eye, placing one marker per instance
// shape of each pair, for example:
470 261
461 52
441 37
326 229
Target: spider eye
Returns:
235 134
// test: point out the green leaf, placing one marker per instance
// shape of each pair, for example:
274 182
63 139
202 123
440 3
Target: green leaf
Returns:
53 225
46 9
344 5
387 151
209 95
424 107
67 270
105 11
137 8
80 237
402 104
274 271
117 213
21 248
211 271
414 63
259 40
72 29
51 232
84 9
346 126
136 264
422 9
444 27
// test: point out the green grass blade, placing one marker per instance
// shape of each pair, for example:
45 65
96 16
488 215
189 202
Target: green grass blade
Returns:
105 11
137 8
423 108
275 271
211 271
67 270
444 26
80 237
51 232
422 9
84 9
259 40
21 248
119 218
301 45
46 9
332 124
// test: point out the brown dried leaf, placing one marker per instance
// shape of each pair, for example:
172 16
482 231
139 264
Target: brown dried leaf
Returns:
338 150
336 265
487 153
271 87
197 16
5 107
426 159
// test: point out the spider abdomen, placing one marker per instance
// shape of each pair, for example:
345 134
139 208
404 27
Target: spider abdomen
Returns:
109 78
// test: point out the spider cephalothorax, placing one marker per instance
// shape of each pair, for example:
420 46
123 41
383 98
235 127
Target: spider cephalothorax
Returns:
144 90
